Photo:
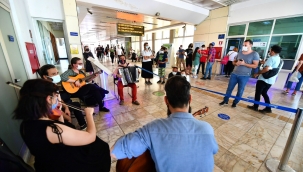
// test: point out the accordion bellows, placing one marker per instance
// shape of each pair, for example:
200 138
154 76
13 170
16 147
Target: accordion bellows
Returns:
129 75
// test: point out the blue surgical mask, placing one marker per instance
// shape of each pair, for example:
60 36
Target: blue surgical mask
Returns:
56 79
54 106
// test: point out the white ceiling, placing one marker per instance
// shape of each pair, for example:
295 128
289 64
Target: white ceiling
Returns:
213 4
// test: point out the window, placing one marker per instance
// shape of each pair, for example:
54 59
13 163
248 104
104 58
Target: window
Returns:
260 45
289 25
166 33
189 30
159 35
236 30
289 44
260 28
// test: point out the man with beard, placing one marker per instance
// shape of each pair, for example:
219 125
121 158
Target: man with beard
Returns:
177 143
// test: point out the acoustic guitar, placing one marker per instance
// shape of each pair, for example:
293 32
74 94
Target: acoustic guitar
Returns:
70 87
145 162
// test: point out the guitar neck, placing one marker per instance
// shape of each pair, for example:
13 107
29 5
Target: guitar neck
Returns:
90 76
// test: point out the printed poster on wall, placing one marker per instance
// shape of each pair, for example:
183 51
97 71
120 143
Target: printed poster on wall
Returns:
259 44
74 49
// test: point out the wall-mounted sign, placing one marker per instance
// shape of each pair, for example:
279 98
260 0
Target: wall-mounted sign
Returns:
256 40
10 38
73 33
220 43
127 29
221 36
259 44
74 49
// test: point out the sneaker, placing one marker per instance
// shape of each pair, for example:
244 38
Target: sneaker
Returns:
265 111
234 105
252 108
163 82
83 127
223 103
146 83
150 83
136 102
121 102
159 81
104 109
208 78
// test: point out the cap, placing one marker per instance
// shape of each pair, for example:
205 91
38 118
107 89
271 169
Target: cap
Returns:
213 43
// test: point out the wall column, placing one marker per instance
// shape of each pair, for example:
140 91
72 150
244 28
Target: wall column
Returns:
172 60
71 28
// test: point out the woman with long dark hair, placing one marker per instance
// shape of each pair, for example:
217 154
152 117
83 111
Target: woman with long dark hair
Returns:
147 64
196 62
56 146
189 57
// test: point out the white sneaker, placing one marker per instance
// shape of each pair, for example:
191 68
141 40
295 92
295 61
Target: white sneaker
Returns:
195 76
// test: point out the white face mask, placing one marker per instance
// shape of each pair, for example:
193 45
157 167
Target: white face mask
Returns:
183 74
174 73
161 52
146 47
244 48
56 79
79 67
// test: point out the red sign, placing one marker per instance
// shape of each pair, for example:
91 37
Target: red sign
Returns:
220 42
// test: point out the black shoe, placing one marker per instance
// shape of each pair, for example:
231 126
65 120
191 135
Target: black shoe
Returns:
149 83
223 103
226 76
106 91
159 81
265 111
146 83
208 78
104 109
252 108
234 105
163 82
203 78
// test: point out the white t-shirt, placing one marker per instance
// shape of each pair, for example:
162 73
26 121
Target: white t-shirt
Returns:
232 55
119 51
146 53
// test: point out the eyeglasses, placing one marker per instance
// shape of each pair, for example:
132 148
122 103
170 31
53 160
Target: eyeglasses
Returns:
79 63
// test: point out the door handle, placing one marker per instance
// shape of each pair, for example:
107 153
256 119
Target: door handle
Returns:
17 80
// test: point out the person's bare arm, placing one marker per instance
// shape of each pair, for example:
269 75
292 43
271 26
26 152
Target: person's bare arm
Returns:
73 137
299 65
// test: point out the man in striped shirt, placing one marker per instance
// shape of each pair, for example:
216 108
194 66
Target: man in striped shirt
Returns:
210 61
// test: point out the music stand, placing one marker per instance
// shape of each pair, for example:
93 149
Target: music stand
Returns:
102 79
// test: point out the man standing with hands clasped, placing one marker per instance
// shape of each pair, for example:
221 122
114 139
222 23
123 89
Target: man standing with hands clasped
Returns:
244 62
273 63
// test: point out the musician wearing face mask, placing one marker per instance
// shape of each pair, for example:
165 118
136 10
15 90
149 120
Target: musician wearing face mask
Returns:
244 63
174 72
56 146
89 93
88 66
177 143
50 73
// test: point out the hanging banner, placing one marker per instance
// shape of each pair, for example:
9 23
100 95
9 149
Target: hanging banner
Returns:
74 49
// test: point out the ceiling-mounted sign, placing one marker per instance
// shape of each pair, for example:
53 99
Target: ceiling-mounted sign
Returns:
10 38
127 29
73 33
221 36
259 44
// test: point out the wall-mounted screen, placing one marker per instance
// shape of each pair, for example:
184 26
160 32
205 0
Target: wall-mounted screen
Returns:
127 29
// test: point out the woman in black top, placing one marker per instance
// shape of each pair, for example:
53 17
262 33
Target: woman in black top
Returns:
86 55
57 147
189 57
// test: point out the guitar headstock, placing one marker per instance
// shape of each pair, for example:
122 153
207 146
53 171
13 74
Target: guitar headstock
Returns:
201 111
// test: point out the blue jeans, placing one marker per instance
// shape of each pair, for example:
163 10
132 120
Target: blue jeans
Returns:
233 81
208 69
299 84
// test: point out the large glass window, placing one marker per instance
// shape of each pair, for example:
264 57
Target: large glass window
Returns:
260 28
166 33
289 44
236 30
260 45
289 25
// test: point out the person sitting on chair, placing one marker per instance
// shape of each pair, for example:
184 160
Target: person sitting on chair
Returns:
174 72
177 143
50 73
97 93
120 85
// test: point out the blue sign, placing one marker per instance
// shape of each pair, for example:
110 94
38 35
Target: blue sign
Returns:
223 116
73 33
221 36
10 38
256 40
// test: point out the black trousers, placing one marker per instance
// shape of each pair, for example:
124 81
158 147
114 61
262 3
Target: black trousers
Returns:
228 68
261 89
91 94
203 67
112 57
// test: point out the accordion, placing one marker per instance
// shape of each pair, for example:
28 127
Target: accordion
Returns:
129 74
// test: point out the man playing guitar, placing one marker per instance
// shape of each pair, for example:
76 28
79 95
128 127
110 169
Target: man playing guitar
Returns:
88 90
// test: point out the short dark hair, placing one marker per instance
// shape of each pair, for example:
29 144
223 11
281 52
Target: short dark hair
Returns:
145 43
203 46
250 41
276 48
44 69
74 60
32 104
177 90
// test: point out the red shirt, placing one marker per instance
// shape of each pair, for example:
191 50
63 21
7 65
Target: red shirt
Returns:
301 68
204 54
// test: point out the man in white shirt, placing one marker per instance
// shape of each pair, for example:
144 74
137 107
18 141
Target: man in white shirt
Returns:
119 51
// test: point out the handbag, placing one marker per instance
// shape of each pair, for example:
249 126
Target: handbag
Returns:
225 59
272 72
294 77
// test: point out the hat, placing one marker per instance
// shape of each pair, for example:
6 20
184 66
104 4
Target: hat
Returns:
174 67
213 43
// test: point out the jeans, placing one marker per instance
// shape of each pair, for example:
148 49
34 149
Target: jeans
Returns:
208 69
299 84
202 64
233 81
262 88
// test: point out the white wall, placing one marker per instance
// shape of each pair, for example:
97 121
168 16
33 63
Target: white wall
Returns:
264 9
47 9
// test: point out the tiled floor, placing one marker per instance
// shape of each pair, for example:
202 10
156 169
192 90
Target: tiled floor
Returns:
246 141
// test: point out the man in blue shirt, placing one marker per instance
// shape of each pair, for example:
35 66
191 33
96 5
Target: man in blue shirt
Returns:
263 84
177 143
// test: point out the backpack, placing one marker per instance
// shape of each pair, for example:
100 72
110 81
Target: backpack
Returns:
11 162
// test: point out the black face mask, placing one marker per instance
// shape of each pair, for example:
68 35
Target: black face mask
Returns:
169 112
87 49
